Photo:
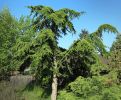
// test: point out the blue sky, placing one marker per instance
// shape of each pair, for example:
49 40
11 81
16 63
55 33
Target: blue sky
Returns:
97 12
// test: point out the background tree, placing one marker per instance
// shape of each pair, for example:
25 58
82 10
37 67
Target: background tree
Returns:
26 34
8 35
115 56
86 81
96 37
85 51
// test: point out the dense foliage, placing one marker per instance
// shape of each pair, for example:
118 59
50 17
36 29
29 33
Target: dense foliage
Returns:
8 35
94 88
115 56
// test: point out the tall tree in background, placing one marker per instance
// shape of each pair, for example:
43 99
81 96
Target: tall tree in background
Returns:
96 38
84 53
26 34
84 64
8 35
115 56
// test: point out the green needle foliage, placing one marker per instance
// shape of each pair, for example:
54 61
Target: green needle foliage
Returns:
95 38
42 50
79 59
86 66
23 43
82 58
115 56
58 21
8 35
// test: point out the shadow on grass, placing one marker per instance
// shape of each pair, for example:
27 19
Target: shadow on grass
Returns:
8 91
23 88
44 92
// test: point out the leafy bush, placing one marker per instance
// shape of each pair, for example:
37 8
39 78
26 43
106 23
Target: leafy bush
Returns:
97 87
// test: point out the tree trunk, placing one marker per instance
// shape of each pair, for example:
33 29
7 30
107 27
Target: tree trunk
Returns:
54 82
54 88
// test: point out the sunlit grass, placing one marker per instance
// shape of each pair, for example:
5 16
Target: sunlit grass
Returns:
35 94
